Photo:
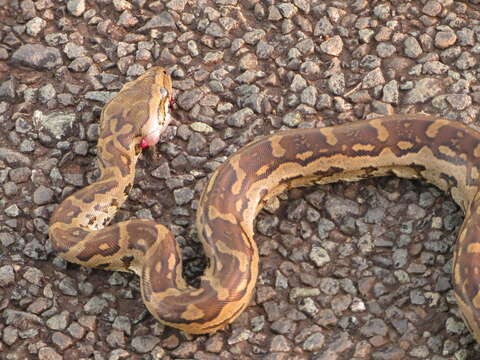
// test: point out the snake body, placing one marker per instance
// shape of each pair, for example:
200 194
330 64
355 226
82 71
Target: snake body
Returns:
445 153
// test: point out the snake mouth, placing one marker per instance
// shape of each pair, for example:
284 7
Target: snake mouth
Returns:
158 122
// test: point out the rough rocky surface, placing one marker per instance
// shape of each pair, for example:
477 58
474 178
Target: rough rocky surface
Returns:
348 271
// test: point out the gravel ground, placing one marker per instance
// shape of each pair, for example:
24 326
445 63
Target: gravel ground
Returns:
348 271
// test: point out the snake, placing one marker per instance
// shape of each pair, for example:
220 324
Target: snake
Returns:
443 152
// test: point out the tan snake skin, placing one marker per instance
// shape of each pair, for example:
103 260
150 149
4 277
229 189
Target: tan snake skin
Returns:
443 152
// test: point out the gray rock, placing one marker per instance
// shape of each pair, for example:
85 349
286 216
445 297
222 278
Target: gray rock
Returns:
292 119
382 11
274 13
412 47
80 147
454 326
239 118
254 36
37 56
373 78
58 321
183 195
145 343
76 7
314 342
324 226
100 96
193 48
323 27
257 324
445 39
374 327
332 46
6 239
216 146
59 125
266 225
329 286
20 318
135 70
123 323
336 83
10 335
186 350
338 207
162 172
43 195
35 250
319 256
28 9
370 62
35 26
196 143
7 276
466 37
96 305
432 8
280 343
385 50
288 10
298 83
188 99
390 92
48 353
284 326
366 35
213 57
264 50
215 30
435 67
61 340
423 90
417 297
34 276
7 89
466 61
12 211
306 46
239 335
177 5
127 19
248 62
46 93
55 39
400 258
80 64
326 317
163 20
68 286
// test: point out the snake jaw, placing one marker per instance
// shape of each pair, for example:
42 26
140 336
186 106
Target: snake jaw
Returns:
158 121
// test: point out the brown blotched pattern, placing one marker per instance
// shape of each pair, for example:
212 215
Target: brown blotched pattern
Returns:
410 146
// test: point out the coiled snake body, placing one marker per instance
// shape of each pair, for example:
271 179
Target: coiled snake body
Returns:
443 152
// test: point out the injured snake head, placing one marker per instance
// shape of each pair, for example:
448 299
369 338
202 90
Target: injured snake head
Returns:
159 110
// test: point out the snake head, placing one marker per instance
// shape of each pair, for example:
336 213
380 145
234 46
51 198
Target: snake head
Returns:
159 115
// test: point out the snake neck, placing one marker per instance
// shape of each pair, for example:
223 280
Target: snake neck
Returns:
92 208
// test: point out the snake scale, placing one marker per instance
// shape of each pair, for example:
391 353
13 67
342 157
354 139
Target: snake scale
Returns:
443 152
